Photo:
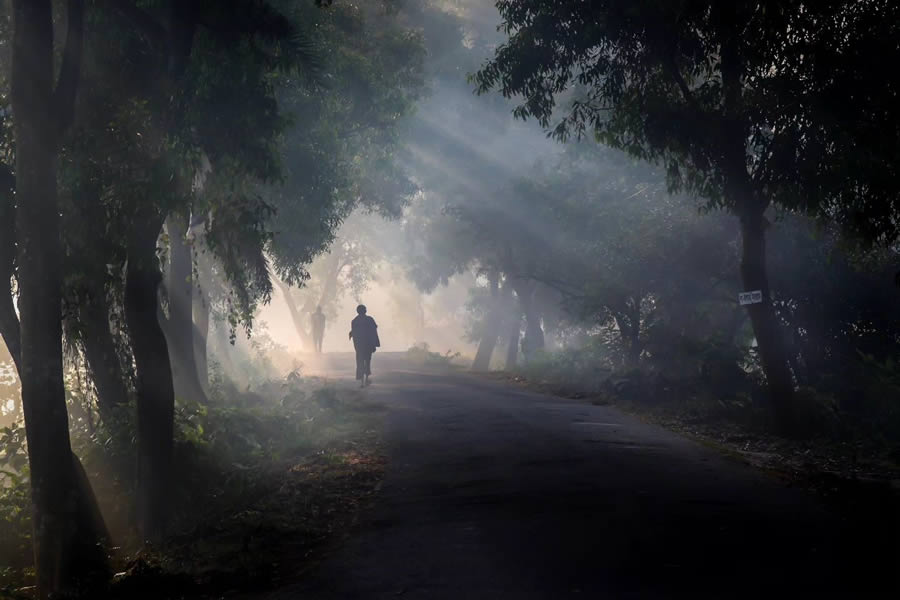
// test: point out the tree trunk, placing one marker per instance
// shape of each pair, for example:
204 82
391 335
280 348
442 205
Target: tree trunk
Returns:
155 391
631 347
534 336
628 320
769 340
9 320
750 204
296 317
102 354
551 328
336 266
180 326
224 349
491 330
66 546
201 321
512 348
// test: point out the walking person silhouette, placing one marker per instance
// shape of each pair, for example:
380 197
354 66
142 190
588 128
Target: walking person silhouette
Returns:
364 333
317 320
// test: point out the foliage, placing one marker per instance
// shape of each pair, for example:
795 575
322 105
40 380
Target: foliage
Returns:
340 152
677 82
10 388
611 237
421 355
230 457
261 474
15 507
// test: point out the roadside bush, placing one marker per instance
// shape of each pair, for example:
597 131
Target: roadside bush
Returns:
582 371
817 413
421 355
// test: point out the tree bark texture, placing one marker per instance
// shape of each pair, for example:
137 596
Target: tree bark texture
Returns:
296 317
769 340
201 321
491 330
180 327
750 204
102 354
66 544
155 392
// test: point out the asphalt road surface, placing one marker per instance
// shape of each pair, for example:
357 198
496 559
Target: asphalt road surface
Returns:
494 492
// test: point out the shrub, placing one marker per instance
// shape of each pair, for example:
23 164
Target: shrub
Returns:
421 355
15 507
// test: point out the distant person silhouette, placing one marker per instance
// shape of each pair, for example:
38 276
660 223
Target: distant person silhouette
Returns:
317 320
364 333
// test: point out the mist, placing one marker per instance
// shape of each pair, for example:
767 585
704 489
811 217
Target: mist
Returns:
449 299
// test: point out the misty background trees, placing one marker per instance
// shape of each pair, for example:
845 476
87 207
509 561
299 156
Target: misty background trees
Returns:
170 167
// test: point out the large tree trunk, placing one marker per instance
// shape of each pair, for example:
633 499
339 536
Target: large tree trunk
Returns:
9 320
201 321
769 340
750 204
155 392
180 326
102 354
66 544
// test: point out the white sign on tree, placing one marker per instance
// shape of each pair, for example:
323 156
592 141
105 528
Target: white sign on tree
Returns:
754 297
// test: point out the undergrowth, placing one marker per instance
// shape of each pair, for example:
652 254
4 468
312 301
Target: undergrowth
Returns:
421 355
261 476
715 392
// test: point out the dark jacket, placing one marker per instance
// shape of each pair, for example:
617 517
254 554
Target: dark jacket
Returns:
364 332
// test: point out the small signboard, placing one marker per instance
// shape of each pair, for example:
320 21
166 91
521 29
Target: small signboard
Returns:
754 297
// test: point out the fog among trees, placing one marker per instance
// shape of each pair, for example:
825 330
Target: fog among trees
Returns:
683 212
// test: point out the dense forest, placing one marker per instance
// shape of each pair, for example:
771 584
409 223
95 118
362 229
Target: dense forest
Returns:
688 209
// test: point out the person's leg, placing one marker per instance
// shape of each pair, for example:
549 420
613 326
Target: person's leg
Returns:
360 365
366 370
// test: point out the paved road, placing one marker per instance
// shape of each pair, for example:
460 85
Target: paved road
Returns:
493 492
